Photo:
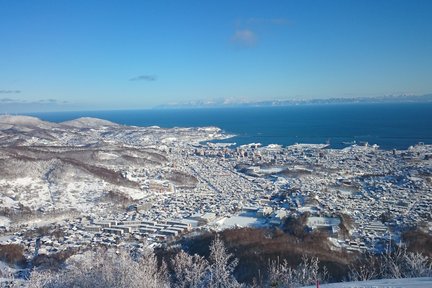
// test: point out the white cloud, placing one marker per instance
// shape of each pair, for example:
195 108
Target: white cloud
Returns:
144 78
244 37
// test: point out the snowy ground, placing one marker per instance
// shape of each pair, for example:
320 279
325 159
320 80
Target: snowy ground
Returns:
4 221
425 282
239 221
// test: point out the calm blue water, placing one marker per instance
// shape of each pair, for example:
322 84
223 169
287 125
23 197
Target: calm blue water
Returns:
388 125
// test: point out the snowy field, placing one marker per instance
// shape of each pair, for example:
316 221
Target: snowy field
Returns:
239 221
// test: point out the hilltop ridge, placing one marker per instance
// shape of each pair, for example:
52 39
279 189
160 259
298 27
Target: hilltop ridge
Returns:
89 122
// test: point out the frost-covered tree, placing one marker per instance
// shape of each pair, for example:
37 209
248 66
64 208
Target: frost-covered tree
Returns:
396 264
364 270
105 269
281 274
189 271
40 279
417 265
391 264
222 265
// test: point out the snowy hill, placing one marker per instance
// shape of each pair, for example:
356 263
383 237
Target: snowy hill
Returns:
28 121
75 164
88 122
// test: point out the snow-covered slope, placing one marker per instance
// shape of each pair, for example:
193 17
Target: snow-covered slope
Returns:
88 122
27 121
425 282
74 165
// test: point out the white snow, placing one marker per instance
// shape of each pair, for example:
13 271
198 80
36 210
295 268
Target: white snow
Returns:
25 120
106 156
4 221
238 221
425 282
88 122
169 140
135 194
271 170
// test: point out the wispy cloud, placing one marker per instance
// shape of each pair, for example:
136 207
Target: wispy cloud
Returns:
10 91
244 37
11 105
246 29
41 101
144 78
51 101
6 100
268 21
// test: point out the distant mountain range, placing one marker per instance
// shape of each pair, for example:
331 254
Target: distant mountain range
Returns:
340 100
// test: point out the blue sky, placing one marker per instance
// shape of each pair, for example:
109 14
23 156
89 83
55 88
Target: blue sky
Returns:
83 54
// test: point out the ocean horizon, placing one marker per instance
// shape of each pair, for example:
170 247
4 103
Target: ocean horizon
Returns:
389 125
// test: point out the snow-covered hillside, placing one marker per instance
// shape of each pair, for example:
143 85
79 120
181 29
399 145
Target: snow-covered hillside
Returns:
75 164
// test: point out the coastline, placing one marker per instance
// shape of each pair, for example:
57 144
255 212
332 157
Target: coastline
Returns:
390 126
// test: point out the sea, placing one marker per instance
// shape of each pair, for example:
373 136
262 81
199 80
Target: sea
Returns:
389 125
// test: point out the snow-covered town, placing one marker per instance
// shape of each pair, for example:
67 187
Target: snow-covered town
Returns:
92 182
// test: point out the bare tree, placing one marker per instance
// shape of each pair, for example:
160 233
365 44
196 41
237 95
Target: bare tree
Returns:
391 264
189 271
396 264
280 274
105 269
306 273
417 265
222 265
364 269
